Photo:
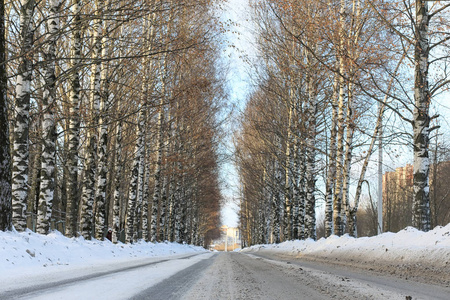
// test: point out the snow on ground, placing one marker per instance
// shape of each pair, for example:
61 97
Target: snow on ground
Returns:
409 244
28 259
29 253
410 251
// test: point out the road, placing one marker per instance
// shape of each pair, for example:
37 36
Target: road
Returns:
228 276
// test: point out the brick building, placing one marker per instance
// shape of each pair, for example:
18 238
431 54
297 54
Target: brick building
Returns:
398 196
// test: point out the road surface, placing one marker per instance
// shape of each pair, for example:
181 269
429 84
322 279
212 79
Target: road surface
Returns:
226 276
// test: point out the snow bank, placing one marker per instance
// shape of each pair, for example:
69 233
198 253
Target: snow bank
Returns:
408 244
28 251
409 250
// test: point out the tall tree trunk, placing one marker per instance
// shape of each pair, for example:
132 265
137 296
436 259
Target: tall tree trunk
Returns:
140 185
296 191
302 189
5 158
337 202
277 203
163 210
74 124
90 168
348 158
157 190
130 233
117 183
146 193
421 122
331 176
288 180
47 183
310 215
34 181
22 110
101 183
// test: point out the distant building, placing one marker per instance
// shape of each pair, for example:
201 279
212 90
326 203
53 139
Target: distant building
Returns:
398 196
229 240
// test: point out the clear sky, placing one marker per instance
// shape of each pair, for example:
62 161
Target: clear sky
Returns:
238 44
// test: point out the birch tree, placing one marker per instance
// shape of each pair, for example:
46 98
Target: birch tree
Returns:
74 122
47 182
100 195
22 109
5 158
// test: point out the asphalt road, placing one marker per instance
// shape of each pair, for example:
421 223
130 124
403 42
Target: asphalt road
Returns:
223 275
267 276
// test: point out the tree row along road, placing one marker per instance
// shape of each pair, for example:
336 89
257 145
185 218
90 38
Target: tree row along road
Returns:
230 276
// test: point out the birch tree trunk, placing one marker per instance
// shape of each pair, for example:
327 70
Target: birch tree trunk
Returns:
277 204
421 122
302 190
117 182
88 195
163 209
348 157
74 123
100 191
295 192
157 190
34 181
140 184
310 214
130 233
47 183
288 181
146 194
5 157
331 176
22 111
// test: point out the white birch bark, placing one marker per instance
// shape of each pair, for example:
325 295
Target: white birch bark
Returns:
47 183
348 158
277 203
180 209
88 192
288 180
130 233
117 183
20 155
157 189
5 155
171 211
100 191
163 210
140 184
331 176
146 193
421 122
310 203
74 123
337 202
295 192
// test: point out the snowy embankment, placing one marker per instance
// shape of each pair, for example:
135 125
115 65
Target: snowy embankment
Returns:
28 253
409 253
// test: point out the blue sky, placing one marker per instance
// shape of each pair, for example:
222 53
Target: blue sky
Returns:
238 43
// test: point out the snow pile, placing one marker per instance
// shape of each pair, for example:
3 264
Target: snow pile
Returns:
409 246
28 251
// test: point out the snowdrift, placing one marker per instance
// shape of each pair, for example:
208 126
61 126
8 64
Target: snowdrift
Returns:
408 253
29 252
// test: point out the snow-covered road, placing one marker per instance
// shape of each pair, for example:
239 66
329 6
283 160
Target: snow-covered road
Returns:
224 275
388 266
118 281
